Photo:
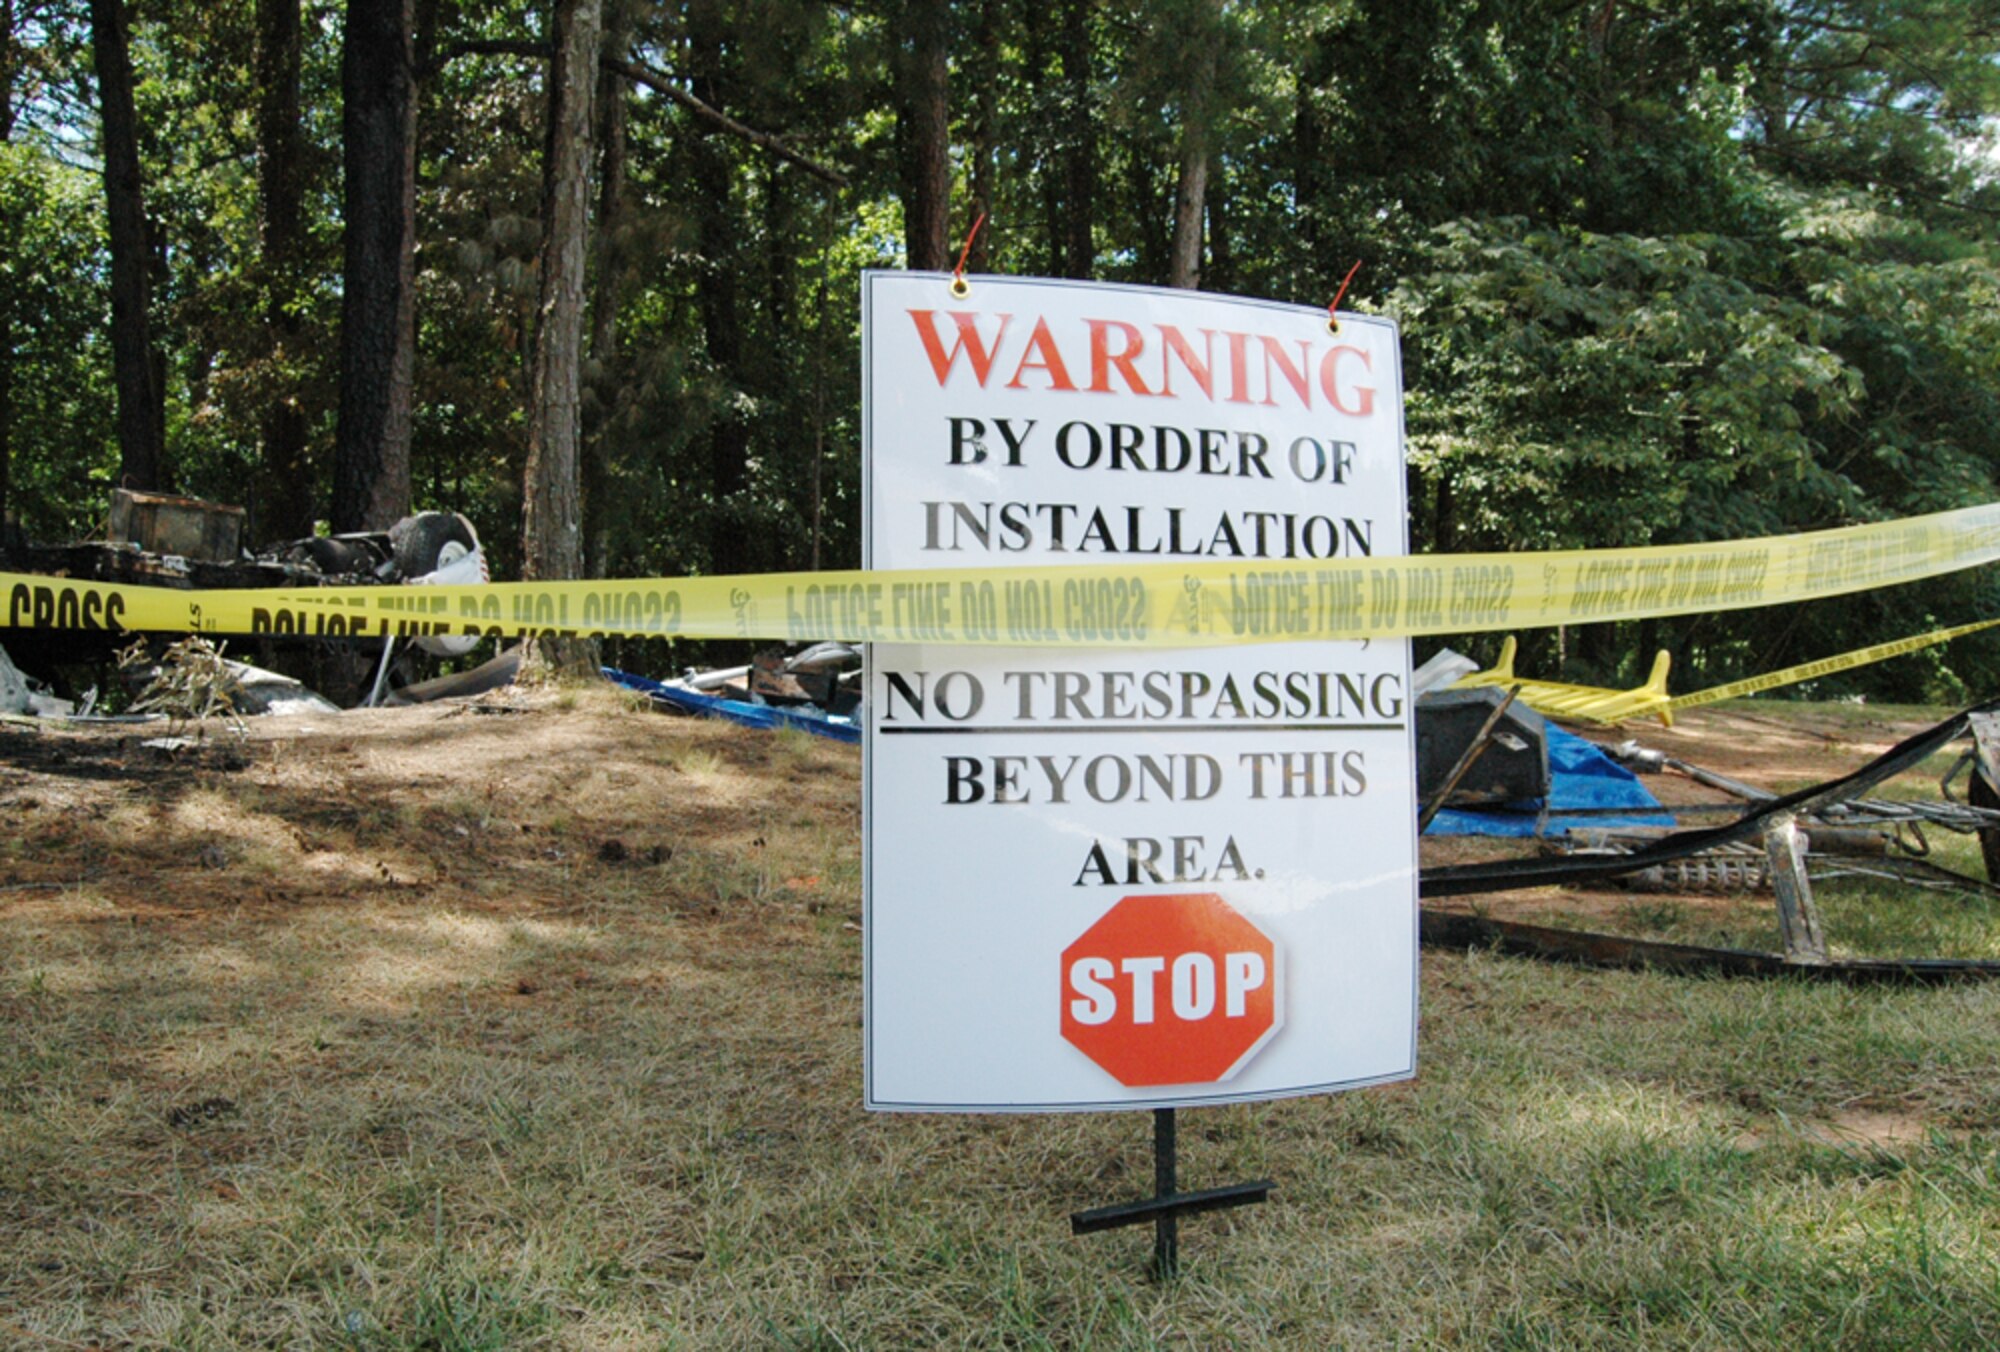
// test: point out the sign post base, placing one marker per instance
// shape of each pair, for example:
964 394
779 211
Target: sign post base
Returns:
1165 1209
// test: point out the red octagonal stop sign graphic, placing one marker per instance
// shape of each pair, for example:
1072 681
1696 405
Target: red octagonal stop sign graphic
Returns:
1171 990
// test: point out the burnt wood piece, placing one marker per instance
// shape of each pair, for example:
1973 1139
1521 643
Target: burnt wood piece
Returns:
186 528
1798 918
1984 790
121 565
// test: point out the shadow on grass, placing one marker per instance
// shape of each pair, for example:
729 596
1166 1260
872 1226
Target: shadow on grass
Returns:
420 1065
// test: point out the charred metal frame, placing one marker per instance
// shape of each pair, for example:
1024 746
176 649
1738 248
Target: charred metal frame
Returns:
1765 818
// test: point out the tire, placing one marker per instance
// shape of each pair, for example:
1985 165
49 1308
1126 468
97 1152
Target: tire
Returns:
421 542
338 556
424 543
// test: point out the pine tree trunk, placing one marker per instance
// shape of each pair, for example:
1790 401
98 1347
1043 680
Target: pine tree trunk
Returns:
1045 97
1191 193
6 410
552 535
285 502
8 65
1190 202
985 129
606 294
781 252
783 372
1311 171
925 134
141 449
822 321
729 543
1219 273
1080 159
371 457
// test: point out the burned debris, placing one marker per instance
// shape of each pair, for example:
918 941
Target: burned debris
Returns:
192 545
1770 843
816 690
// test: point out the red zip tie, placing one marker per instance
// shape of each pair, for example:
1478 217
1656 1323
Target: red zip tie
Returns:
1333 310
958 286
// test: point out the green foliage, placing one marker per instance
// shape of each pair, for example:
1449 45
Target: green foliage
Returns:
1665 272
1877 92
53 301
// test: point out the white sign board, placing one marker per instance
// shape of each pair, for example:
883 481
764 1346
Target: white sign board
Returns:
1131 877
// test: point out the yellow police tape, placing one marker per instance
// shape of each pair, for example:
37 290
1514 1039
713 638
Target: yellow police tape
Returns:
1165 604
1825 666
1595 704
1584 703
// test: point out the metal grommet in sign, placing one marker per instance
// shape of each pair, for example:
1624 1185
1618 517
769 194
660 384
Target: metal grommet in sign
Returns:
960 288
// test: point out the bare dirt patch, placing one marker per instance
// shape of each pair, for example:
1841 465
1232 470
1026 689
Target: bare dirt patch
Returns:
470 808
1887 1130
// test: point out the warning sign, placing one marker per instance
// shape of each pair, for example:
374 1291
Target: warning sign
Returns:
1152 875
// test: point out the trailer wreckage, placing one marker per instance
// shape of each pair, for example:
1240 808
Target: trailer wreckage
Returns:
187 544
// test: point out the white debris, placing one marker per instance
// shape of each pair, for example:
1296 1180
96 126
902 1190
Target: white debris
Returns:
1444 670
15 698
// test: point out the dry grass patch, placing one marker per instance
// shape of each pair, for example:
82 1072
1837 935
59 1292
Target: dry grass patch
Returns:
541 1030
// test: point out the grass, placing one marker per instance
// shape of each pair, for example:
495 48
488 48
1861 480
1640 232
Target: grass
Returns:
498 1099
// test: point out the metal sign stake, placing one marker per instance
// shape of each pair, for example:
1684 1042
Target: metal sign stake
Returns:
1166 1208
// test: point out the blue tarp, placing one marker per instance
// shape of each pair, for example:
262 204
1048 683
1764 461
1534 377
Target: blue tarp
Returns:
736 711
1580 776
